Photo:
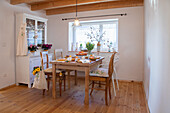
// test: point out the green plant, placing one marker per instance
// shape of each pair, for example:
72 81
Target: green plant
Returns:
81 45
89 46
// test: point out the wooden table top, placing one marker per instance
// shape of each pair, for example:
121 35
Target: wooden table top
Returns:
73 63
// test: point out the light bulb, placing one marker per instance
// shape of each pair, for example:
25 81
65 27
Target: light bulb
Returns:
76 22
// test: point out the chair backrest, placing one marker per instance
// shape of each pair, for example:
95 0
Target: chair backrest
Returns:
58 53
42 61
111 65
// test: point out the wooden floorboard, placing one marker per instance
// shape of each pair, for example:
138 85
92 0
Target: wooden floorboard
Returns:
20 99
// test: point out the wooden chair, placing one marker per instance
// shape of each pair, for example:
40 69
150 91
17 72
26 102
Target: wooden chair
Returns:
114 77
48 72
116 59
103 75
58 53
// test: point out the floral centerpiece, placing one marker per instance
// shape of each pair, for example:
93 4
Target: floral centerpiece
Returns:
36 70
32 48
89 47
96 35
46 47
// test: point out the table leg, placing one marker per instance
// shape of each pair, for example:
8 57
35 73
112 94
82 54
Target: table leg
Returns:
86 101
54 81
68 79
75 77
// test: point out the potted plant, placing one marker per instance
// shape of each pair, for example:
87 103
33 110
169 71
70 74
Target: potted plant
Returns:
96 35
89 47
46 47
32 48
81 47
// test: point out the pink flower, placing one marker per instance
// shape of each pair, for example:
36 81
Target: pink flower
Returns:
31 46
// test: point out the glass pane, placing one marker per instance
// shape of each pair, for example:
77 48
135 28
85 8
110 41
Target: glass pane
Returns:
110 35
81 34
41 33
30 31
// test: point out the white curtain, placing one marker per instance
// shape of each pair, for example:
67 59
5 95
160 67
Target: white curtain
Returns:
22 48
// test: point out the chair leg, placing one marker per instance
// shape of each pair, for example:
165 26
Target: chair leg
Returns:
92 88
75 77
48 83
106 90
117 84
68 79
113 84
60 85
110 95
99 84
116 78
64 82
43 91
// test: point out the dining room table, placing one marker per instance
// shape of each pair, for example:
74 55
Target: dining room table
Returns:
73 65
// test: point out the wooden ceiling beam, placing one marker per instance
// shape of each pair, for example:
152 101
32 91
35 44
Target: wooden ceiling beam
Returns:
63 3
96 6
15 2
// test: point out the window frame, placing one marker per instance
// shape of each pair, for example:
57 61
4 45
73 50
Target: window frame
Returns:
71 38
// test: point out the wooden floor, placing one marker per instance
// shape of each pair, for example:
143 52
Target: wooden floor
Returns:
20 99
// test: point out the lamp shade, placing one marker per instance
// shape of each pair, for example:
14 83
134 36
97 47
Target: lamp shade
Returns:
76 22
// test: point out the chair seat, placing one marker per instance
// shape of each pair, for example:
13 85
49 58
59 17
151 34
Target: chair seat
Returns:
49 70
101 72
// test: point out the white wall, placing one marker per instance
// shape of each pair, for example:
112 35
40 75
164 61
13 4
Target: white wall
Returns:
131 38
157 55
7 40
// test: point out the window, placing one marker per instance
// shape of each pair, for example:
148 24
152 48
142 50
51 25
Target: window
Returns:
35 29
30 31
109 29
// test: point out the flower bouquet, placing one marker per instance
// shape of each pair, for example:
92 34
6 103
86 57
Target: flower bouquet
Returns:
36 70
32 48
96 35
46 47
39 80
89 47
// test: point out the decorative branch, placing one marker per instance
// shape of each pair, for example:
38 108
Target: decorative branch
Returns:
95 36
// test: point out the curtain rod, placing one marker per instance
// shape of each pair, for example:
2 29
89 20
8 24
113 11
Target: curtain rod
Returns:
94 16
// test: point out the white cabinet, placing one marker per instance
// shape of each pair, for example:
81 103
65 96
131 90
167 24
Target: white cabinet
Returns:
24 68
36 26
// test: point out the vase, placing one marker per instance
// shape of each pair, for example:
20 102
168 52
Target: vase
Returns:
109 50
98 47
45 50
89 52
32 51
81 48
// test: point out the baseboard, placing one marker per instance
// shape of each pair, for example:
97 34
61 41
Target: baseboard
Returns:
5 88
146 103
129 81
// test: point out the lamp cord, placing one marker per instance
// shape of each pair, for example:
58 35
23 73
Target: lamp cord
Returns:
76 8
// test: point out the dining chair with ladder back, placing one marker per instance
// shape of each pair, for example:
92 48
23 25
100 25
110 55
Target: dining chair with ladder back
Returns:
115 76
58 53
103 75
48 71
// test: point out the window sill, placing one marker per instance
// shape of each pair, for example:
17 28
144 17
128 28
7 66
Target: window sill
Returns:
94 51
